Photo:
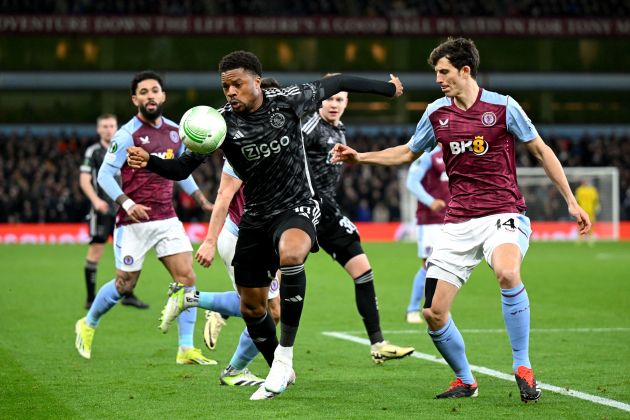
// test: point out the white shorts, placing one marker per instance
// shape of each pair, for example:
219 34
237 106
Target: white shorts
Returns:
132 242
462 245
427 238
226 245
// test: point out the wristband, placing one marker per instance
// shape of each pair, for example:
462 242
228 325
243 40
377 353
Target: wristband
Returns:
127 204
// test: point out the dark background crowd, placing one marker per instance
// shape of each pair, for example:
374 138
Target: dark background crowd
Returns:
39 177
357 8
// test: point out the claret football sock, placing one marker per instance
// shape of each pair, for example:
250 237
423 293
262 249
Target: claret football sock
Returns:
450 343
515 303
105 299
225 303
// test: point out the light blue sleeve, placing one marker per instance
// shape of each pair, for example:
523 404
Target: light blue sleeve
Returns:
227 168
518 123
424 138
188 185
417 171
115 158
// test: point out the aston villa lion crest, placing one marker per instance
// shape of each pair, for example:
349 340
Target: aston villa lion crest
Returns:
488 119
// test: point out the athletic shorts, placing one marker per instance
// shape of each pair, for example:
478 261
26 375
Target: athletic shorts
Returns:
256 258
428 235
226 245
338 236
133 241
462 245
101 226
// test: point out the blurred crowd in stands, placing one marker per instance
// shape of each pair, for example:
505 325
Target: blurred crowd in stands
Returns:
355 8
39 178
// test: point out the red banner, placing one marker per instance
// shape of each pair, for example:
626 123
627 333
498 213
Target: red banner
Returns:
73 233
312 26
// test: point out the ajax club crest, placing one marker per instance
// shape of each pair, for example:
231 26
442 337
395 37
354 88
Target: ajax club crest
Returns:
277 120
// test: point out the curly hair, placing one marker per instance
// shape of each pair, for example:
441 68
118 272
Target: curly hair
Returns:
459 51
241 59
145 75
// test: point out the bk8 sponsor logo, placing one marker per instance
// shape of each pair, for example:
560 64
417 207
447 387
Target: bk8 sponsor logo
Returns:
477 146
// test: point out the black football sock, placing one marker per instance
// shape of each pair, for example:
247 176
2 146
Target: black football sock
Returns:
368 306
90 279
262 331
292 291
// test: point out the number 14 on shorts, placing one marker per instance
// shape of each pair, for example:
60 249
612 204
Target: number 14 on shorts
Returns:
506 224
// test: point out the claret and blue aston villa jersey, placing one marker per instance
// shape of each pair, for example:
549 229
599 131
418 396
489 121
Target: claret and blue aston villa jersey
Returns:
479 151
143 186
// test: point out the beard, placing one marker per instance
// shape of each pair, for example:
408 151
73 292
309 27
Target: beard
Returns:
151 116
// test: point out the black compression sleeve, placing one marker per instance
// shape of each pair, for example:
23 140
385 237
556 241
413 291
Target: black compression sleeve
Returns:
175 169
343 83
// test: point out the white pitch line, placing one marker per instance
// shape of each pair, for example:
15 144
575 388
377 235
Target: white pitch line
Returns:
502 330
496 374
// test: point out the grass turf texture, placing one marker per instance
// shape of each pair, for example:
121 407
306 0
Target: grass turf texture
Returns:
132 373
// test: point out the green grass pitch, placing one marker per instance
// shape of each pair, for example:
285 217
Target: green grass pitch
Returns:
580 304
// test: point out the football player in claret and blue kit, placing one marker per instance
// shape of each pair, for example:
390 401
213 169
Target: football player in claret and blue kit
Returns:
485 217
146 218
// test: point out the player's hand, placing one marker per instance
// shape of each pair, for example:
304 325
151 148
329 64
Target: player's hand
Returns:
399 87
344 153
138 212
584 222
101 206
437 204
137 157
205 254
207 207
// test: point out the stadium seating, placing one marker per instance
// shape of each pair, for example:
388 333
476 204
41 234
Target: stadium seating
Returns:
39 177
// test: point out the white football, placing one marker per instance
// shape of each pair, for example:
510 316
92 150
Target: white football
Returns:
202 129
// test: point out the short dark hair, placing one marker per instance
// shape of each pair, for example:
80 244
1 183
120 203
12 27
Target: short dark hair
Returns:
269 82
105 117
145 75
241 59
460 52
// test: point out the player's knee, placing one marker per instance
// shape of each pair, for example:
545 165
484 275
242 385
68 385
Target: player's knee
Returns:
252 310
435 317
508 277
125 283
292 257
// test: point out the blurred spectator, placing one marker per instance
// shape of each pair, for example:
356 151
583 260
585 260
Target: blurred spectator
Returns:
38 178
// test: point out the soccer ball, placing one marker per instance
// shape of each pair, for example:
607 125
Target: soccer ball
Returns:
202 129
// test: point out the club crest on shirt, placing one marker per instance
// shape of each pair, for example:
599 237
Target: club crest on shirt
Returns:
277 120
174 136
128 260
488 119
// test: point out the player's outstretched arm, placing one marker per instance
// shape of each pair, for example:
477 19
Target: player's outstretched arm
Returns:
553 168
227 189
344 83
392 156
175 169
